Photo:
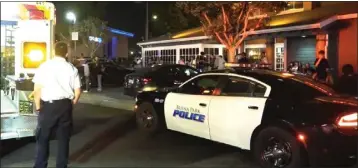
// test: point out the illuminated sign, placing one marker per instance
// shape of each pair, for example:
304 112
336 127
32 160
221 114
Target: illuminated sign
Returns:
95 39
120 32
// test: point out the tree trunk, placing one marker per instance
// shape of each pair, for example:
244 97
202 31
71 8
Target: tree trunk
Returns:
231 53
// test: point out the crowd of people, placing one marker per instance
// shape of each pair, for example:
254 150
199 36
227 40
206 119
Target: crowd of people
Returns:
205 62
91 67
320 70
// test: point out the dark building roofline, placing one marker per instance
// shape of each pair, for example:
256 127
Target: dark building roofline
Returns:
279 21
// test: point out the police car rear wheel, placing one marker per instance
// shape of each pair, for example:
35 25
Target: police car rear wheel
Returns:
276 148
147 118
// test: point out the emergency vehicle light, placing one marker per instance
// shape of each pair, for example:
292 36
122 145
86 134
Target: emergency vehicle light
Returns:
348 120
34 53
247 65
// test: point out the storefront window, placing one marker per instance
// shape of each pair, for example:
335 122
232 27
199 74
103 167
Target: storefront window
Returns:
151 57
211 51
254 54
167 56
188 54
294 5
279 58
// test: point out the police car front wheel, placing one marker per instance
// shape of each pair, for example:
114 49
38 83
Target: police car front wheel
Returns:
276 148
147 118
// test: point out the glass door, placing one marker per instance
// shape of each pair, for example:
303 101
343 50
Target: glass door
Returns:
279 57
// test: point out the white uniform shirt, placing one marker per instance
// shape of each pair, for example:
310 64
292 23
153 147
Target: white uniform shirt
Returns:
58 79
86 69
221 63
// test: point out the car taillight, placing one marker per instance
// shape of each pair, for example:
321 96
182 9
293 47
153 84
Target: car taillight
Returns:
146 80
348 121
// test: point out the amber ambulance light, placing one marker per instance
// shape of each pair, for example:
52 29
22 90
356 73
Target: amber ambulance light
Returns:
33 54
348 121
36 55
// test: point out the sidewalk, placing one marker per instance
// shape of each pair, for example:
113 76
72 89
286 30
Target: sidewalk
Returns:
109 97
91 122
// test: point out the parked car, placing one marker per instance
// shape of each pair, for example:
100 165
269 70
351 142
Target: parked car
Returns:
113 74
286 120
159 76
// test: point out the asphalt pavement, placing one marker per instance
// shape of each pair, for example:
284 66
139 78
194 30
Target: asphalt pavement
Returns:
105 135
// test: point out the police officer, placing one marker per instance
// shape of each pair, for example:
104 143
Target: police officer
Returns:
56 90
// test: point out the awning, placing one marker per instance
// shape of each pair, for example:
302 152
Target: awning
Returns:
318 25
8 23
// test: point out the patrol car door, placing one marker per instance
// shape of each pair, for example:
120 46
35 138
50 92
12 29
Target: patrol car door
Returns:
238 110
186 110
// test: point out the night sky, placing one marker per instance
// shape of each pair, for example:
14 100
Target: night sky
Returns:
126 16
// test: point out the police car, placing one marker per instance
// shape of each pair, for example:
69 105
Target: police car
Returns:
286 120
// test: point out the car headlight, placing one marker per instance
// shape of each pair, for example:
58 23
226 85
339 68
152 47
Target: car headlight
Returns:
149 88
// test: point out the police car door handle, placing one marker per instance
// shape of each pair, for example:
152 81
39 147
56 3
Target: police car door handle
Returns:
202 104
253 107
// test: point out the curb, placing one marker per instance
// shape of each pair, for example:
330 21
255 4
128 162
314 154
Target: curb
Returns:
104 101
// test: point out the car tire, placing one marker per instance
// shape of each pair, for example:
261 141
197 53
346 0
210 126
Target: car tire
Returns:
291 151
147 119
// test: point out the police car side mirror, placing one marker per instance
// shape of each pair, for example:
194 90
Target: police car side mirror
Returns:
176 90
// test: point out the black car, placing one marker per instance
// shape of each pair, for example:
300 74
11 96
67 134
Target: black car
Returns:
285 120
159 76
113 75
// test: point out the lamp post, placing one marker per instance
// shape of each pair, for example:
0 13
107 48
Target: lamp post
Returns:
154 17
72 18
146 21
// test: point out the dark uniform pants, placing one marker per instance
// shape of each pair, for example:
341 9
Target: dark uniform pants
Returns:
54 116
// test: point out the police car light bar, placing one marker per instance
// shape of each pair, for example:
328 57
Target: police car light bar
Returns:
247 65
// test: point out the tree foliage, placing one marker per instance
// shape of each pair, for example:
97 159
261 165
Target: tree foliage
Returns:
171 19
231 22
92 26
82 10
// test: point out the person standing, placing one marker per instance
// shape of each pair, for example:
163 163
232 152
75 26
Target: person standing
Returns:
308 70
99 69
181 61
243 59
219 62
57 87
263 59
348 82
322 67
193 62
87 74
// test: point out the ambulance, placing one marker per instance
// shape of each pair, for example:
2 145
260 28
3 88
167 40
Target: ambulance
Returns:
27 40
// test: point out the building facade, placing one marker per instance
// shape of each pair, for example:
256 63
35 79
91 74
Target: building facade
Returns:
296 34
115 46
